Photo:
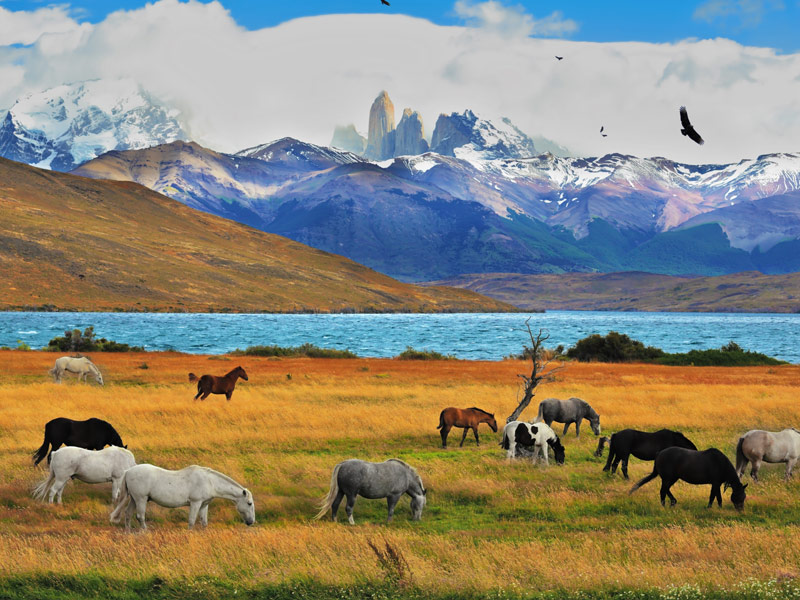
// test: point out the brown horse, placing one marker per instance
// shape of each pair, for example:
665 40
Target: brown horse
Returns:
467 418
212 384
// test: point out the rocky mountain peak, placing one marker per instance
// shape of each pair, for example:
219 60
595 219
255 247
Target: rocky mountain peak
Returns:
409 137
381 124
347 138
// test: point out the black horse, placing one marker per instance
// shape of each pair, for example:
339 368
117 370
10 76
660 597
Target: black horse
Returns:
698 468
92 434
642 444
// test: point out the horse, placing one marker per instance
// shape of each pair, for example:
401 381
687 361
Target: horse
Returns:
698 468
82 366
92 434
538 435
389 479
213 384
569 411
759 446
642 444
89 466
467 418
193 486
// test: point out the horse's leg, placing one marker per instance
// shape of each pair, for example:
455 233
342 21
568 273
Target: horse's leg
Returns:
617 458
194 510
665 485
789 466
611 456
351 502
625 466
578 428
199 391
115 483
129 510
477 439
204 515
205 395
566 426
141 508
228 395
335 504
463 437
756 462
546 454
444 432
392 502
58 488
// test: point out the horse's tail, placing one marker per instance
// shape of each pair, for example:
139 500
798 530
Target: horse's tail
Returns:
40 491
741 459
441 420
124 499
327 501
650 477
42 451
193 377
505 444
539 415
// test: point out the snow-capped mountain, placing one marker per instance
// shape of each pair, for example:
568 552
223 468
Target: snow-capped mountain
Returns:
67 125
470 137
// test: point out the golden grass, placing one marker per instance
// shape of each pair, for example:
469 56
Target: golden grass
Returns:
489 524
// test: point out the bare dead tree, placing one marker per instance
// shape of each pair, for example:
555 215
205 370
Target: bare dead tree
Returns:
539 369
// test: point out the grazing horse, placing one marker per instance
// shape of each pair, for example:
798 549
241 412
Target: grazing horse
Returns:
89 466
193 486
92 434
389 479
641 444
82 366
468 418
759 446
569 411
212 384
529 435
698 468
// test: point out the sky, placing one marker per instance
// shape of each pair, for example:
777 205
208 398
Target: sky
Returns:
243 73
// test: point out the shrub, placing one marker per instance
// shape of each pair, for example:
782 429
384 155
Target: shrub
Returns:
77 341
730 355
614 347
305 350
411 354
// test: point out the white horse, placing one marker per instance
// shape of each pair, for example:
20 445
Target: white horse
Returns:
89 466
82 366
759 446
193 486
532 435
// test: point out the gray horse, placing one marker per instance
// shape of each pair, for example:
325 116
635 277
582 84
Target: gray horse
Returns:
569 411
757 446
389 479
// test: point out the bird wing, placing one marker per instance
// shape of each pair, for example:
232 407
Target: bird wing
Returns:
601 128
685 118
693 135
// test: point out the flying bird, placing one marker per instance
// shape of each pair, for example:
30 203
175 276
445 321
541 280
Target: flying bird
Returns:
601 131
385 2
687 128
557 57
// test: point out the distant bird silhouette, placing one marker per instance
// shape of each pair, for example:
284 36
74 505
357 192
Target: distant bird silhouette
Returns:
557 57
601 131
688 129
385 2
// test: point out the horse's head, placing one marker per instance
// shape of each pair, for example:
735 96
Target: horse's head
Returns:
684 442
98 376
418 503
594 422
246 508
738 496
558 449
492 423
241 373
600 445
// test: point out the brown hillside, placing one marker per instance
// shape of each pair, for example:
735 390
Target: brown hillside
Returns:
81 244
748 291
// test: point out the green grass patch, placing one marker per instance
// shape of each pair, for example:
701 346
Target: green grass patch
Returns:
304 350
411 354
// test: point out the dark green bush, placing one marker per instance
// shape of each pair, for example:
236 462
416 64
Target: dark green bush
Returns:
411 354
614 347
77 341
305 350
719 358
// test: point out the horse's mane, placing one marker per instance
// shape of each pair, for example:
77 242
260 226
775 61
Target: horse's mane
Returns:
412 469
223 476
232 371
480 410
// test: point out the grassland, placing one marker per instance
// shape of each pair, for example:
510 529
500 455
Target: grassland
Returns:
749 291
491 528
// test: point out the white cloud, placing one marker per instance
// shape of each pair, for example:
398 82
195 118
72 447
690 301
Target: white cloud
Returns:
512 20
301 78
25 27
747 12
